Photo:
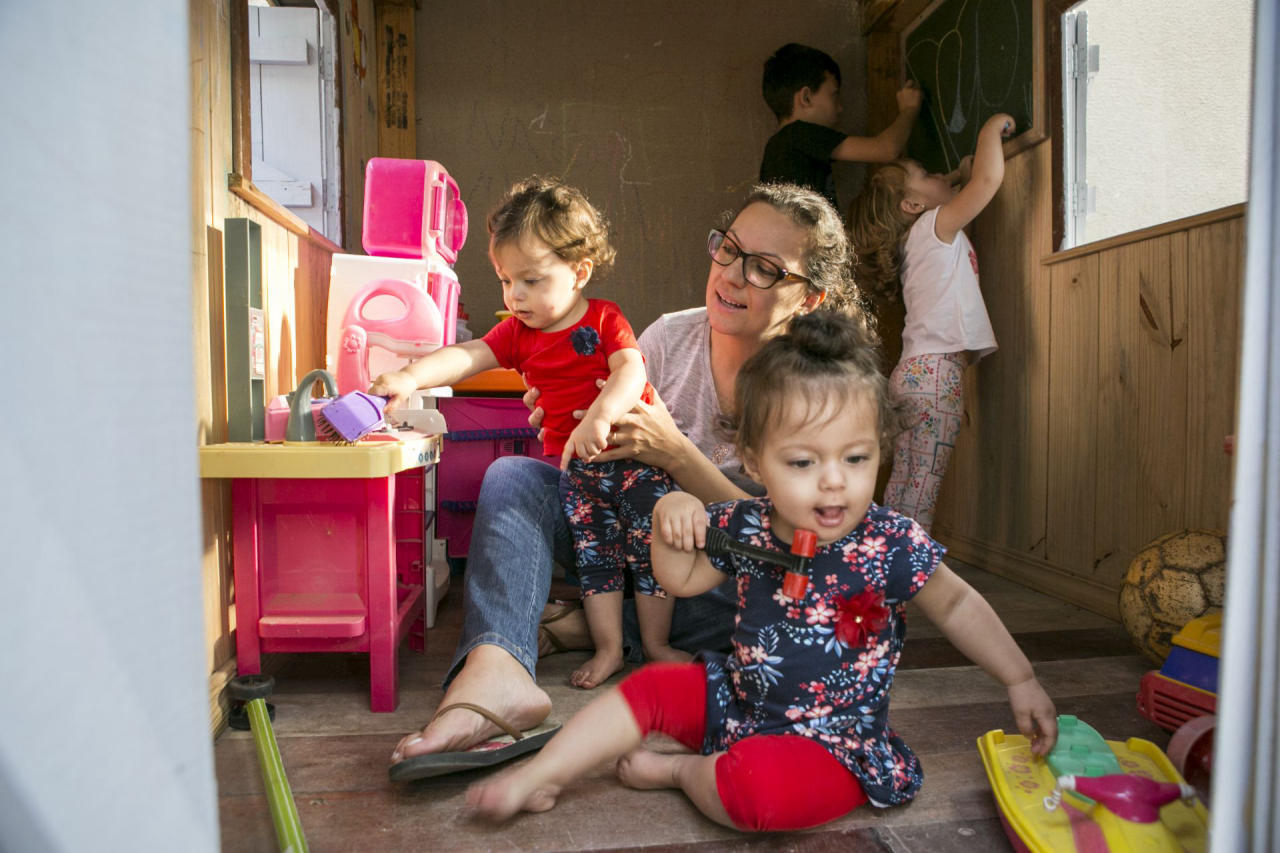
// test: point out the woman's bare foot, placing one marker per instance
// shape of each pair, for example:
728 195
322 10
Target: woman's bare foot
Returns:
505 795
492 679
648 771
665 653
596 671
571 630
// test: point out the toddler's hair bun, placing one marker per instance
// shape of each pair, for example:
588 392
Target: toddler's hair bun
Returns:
831 335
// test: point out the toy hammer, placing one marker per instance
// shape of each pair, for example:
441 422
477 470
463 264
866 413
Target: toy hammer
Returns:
803 546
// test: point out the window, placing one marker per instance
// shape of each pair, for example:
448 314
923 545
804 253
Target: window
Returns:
293 110
1155 115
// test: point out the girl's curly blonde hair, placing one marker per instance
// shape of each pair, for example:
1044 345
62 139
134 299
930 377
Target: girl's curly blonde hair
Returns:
557 215
877 226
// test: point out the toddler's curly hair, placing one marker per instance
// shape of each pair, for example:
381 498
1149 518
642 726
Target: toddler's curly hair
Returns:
555 214
878 226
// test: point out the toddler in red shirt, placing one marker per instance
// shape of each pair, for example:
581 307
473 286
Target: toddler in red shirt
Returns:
545 242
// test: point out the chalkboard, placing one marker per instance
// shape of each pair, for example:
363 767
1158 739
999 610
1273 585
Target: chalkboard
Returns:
973 58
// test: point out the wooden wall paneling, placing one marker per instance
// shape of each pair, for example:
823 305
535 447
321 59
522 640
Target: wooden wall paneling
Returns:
1215 265
210 138
1073 409
1161 281
220 107
238 74
311 298
397 121
1036 357
1116 490
359 87
995 485
883 69
1142 399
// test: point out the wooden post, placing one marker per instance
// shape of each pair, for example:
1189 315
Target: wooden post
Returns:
397 131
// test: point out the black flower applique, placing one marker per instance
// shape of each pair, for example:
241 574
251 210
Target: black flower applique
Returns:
585 340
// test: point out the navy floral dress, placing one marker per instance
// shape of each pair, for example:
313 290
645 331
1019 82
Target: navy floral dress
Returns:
821 667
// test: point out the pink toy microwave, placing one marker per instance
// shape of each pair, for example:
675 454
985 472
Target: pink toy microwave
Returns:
411 208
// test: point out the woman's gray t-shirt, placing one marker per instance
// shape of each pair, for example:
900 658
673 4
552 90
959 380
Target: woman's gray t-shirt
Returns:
677 353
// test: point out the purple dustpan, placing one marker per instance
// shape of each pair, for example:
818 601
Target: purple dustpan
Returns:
353 416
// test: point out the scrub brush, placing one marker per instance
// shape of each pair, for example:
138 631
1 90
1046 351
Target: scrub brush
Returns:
351 417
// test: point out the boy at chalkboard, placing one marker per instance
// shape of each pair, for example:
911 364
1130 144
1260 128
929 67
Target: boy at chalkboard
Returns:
802 86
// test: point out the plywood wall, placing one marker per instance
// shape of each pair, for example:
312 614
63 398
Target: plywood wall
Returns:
1098 425
653 109
295 280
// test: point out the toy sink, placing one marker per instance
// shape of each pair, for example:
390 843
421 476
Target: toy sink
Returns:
1027 796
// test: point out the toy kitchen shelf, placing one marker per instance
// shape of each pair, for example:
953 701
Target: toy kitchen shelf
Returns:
324 543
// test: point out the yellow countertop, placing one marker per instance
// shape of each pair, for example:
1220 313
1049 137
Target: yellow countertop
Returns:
313 460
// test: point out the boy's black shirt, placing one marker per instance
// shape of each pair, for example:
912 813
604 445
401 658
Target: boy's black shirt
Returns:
800 153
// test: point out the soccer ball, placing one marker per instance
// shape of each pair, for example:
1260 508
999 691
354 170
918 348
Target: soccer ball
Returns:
1170 582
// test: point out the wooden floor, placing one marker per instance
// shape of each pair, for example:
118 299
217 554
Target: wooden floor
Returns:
335 750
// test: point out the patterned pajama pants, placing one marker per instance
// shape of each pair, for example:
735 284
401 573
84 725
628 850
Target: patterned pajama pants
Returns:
609 507
930 388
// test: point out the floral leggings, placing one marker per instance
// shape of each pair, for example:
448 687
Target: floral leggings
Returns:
609 507
931 389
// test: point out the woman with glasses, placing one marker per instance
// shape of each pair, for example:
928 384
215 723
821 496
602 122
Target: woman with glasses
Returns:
784 253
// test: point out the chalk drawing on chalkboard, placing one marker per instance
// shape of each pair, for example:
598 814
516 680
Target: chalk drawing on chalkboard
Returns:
974 58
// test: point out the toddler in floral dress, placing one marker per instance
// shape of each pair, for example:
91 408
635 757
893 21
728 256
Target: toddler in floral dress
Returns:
791 728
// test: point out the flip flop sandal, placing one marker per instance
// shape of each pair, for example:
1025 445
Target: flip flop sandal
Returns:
493 751
544 631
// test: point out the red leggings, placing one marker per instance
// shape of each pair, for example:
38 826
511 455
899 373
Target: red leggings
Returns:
765 782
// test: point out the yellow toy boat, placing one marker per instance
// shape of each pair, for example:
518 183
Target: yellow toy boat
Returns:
1139 802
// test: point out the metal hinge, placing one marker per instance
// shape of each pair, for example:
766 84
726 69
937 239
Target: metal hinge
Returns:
1083 60
326 64
1084 198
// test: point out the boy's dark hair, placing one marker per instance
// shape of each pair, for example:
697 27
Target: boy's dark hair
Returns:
791 68
824 356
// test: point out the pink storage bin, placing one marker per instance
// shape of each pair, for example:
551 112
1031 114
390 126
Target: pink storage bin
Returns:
481 429
412 208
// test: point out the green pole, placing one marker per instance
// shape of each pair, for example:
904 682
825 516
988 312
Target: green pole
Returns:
284 812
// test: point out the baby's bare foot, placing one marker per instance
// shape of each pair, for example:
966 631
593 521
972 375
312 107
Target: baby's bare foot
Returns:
504 796
646 770
596 671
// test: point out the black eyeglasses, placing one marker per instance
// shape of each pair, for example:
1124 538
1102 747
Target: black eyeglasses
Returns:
758 271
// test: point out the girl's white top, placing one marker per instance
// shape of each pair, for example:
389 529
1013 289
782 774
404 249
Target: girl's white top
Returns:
945 311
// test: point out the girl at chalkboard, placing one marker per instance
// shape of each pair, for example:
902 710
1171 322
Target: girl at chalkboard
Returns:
907 227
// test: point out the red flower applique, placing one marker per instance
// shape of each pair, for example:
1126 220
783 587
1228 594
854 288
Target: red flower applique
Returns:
860 618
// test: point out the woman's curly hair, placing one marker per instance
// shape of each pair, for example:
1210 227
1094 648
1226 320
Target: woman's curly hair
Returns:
557 215
828 256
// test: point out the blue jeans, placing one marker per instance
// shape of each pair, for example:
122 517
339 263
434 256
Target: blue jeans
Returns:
519 532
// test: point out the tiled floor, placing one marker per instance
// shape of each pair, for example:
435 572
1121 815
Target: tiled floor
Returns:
335 750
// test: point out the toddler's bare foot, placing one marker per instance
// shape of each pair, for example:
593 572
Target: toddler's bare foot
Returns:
596 671
505 795
648 771
665 653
